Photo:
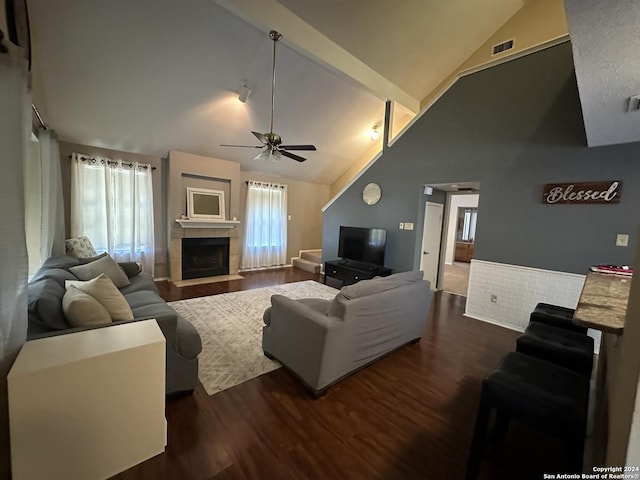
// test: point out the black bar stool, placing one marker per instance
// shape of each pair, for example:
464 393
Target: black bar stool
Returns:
541 394
558 345
556 316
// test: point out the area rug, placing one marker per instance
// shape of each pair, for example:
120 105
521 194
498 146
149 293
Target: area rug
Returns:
230 325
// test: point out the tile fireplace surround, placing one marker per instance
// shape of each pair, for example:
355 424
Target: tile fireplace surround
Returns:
175 249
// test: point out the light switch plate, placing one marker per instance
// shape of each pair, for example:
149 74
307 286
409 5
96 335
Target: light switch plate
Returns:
622 240
401 226
408 225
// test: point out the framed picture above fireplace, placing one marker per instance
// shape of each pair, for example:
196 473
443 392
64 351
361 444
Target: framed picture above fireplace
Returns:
205 204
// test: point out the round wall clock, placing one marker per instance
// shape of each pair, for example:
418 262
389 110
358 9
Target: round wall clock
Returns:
371 193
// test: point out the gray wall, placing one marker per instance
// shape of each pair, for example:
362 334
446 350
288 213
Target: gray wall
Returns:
513 128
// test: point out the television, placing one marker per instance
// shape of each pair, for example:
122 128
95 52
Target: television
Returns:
362 244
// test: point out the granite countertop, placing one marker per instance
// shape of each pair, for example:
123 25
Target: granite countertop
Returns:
603 302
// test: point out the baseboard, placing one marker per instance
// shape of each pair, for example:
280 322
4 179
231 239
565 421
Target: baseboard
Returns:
494 322
275 267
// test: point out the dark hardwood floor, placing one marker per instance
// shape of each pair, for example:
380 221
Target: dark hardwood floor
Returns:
408 416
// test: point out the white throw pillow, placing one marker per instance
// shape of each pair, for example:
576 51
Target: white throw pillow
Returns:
106 265
82 310
104 291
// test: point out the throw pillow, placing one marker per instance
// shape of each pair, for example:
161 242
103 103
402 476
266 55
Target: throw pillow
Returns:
131 268
82 310
83 261
80 247
106 265
104 291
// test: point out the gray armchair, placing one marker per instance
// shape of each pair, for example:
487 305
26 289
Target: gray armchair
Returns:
323 341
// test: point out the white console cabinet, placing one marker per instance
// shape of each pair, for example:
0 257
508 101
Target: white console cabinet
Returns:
88 405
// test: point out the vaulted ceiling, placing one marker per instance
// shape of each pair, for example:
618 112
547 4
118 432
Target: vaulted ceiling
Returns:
151 76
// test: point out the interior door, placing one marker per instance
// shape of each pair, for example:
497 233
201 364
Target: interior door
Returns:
431 237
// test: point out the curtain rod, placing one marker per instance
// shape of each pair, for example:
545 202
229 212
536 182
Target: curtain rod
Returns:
264 183
109 162
35 110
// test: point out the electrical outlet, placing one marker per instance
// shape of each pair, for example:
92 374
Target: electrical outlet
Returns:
408 225
494 298
622 240
401 225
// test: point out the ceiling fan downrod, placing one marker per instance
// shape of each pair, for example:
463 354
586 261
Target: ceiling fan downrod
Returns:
275 36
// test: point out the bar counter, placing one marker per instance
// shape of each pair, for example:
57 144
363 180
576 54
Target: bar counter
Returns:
603 302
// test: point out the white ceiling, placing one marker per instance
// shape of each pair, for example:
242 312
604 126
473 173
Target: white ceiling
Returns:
152 76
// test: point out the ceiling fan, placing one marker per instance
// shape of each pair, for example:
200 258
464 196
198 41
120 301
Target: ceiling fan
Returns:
272 142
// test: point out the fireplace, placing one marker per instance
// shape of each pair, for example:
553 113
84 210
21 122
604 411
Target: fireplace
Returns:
205 257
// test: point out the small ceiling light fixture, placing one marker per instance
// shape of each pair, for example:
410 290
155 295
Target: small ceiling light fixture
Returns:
374 133
244 93
268 154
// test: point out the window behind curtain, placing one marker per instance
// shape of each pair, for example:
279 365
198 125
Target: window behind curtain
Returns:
112 204
265 236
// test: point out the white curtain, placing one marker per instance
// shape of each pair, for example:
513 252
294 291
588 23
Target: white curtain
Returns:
44 208
112 204
265 233
15 134
52 231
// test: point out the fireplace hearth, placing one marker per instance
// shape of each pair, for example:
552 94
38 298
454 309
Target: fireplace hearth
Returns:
205 257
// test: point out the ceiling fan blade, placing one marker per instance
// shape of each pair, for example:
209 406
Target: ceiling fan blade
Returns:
298 147
293 156
260 136
243 146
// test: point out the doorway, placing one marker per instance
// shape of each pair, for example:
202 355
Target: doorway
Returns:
456 232
431 242
462 215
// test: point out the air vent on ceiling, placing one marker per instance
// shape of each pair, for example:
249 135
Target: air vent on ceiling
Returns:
502 47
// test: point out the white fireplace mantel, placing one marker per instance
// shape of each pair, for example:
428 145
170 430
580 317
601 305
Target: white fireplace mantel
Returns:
190 223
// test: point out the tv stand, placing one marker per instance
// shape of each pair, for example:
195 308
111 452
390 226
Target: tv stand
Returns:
343 272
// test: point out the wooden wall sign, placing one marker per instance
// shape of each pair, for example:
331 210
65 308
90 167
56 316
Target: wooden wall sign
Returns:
582 193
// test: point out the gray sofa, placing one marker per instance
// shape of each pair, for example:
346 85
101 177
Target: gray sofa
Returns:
46 318
323 341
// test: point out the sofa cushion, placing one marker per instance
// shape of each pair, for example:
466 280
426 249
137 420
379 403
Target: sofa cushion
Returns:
142 298
81 309
318 304
60 275
60 261
44 299
102 289
380 284
142 281
104 264
155 310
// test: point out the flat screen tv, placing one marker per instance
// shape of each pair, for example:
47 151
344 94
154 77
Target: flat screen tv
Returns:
362 244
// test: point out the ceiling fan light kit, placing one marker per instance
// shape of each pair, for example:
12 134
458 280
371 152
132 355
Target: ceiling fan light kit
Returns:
272 142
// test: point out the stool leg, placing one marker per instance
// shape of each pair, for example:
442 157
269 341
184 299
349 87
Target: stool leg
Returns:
477 443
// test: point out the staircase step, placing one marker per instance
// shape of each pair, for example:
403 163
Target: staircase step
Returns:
306 265
312 255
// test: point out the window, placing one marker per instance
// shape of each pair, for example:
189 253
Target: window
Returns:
112 204
265 236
